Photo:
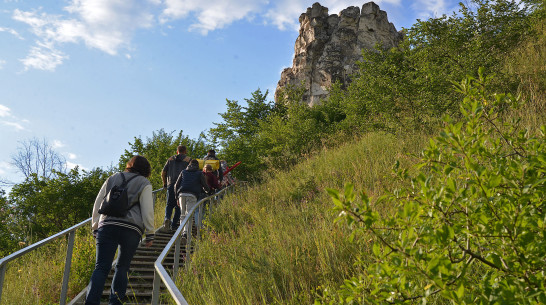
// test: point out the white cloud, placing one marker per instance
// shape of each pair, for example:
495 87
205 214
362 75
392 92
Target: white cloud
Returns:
4 111
71 165
4 167
43 57
2 63
107 25
58 144
72 156
15 125
212 14
11 31
433 8
8 119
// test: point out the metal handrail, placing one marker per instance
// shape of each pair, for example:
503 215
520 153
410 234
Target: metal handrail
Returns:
68 261
160 274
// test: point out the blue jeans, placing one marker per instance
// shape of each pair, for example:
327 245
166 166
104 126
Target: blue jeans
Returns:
171 204
108 239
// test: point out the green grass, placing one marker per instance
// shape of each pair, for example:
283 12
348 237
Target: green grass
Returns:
277 242
36 277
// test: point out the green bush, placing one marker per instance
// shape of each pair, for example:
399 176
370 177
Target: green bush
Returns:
470 228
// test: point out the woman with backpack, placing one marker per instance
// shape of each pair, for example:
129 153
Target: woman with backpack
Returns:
125 229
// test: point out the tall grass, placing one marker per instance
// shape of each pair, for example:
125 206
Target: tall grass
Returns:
277 242
527 64
36 277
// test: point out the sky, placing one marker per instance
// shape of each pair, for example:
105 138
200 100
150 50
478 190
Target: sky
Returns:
89 76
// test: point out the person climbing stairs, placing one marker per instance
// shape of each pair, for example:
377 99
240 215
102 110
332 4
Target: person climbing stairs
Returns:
141 274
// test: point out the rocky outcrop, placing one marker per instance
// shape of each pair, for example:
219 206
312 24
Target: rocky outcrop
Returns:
329 46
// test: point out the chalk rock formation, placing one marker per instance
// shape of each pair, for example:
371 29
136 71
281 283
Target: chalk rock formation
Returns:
328 47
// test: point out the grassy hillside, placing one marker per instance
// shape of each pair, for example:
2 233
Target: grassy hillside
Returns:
277 242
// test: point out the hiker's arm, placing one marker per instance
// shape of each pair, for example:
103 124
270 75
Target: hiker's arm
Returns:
164 178
178 184
147 211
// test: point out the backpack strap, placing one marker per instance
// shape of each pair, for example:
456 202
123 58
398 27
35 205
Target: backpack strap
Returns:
127 182
124 185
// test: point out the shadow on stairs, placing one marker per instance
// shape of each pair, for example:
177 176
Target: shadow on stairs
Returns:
141 275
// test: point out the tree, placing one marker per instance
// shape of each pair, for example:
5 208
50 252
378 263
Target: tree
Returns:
469 227
38 157
7 242
285 136
405 87
43 206
268 136
237 135
159 148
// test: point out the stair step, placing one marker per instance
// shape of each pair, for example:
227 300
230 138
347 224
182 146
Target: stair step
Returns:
154 252
151 259
135 277
151 263
147 293
137 286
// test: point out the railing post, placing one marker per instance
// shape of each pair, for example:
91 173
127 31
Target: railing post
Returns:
67 265
200 222
188 241
176 257
155 291
2 276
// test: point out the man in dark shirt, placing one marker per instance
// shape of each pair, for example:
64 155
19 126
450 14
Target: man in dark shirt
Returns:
173 167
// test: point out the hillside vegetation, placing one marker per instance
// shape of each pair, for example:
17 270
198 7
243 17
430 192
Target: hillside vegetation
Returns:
421 182
277 241
462 222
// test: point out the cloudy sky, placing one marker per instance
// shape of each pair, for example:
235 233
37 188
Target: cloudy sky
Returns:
90 75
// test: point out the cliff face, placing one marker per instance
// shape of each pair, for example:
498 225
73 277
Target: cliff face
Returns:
329 46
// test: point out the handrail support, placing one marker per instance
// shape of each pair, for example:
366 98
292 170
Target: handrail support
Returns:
67 265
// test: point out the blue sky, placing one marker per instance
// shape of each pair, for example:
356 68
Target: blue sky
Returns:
90 75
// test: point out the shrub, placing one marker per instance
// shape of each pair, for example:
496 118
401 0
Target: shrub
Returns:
470 228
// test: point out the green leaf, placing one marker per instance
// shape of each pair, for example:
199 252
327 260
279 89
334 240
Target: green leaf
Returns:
349 192
495 181
333 193
460 291
376 249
